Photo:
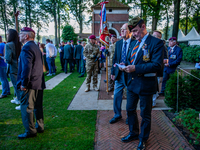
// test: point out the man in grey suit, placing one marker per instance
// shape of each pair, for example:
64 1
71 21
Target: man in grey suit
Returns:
77 56
68 56
121 50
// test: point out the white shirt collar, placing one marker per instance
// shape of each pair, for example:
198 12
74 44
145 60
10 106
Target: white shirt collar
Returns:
145 37
128 40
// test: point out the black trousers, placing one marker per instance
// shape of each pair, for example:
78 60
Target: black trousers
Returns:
78 65
31 103
68 61
62 61
145 113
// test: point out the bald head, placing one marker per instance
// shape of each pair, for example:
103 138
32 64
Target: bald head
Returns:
125 33
157 34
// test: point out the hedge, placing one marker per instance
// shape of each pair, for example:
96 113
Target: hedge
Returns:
191 53
189 92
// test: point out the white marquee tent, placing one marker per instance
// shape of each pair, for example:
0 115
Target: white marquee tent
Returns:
192 37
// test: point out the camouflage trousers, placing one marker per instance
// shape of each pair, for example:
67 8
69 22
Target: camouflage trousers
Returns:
111 83
92 69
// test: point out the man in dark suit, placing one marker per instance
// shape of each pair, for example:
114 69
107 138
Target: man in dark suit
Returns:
144 60
121 50
77 56
30 82
73 61
175 57
68 56
62 62
158 35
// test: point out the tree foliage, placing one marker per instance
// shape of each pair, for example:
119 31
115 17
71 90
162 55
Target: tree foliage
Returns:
68 34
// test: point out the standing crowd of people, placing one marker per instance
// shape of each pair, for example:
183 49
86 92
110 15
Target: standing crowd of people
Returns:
137 62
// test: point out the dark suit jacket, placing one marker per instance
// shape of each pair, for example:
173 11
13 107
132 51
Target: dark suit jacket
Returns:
174 62
137 81
68 52
165 52
11 58
77 51
117 57
30 67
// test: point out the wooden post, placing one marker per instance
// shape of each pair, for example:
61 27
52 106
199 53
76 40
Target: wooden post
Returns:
107 73
16 20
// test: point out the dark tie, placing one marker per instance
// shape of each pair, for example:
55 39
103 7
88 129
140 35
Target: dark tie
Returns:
134 51
170 51
123 58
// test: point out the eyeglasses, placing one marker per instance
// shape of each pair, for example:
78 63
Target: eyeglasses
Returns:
123 29
172 40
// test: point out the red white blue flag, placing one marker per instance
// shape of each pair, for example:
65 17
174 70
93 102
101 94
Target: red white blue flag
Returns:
103 32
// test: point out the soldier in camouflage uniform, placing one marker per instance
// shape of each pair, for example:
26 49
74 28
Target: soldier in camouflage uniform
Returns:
91 52
111 51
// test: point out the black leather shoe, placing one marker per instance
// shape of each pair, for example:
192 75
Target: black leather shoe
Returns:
141 145
161 94
127 121
9 93
114 120
129 138
2 96
39 131
82 75
105 81
26 135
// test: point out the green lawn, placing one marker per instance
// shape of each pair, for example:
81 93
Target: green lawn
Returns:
64 129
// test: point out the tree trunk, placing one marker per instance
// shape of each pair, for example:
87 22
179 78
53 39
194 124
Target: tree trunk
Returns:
186 19
26 19
156 15
58 12
80 17
176 18
29 13
3 19
38 30
154 23
6 22
167 26
55 21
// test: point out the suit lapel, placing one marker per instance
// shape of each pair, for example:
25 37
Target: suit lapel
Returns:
140 53
120 48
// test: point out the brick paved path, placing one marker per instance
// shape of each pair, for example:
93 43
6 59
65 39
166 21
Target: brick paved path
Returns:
163 136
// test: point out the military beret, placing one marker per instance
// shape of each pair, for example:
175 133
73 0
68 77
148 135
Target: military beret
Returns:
27 29
92 37
72 41
79 41
113 35
134 22
69 41
172 38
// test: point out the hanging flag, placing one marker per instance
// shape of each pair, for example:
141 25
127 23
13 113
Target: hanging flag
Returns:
103 32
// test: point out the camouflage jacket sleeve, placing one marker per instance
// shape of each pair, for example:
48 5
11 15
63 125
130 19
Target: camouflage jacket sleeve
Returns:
86 50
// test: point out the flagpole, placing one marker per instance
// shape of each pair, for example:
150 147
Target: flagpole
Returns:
16 20
106 68
104 35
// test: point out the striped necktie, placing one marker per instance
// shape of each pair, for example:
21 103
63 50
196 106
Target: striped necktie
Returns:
134 51
123 58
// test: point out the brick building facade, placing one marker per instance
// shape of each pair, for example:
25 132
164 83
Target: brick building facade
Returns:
117 14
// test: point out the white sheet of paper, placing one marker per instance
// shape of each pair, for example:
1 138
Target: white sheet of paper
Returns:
197 66
120 66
